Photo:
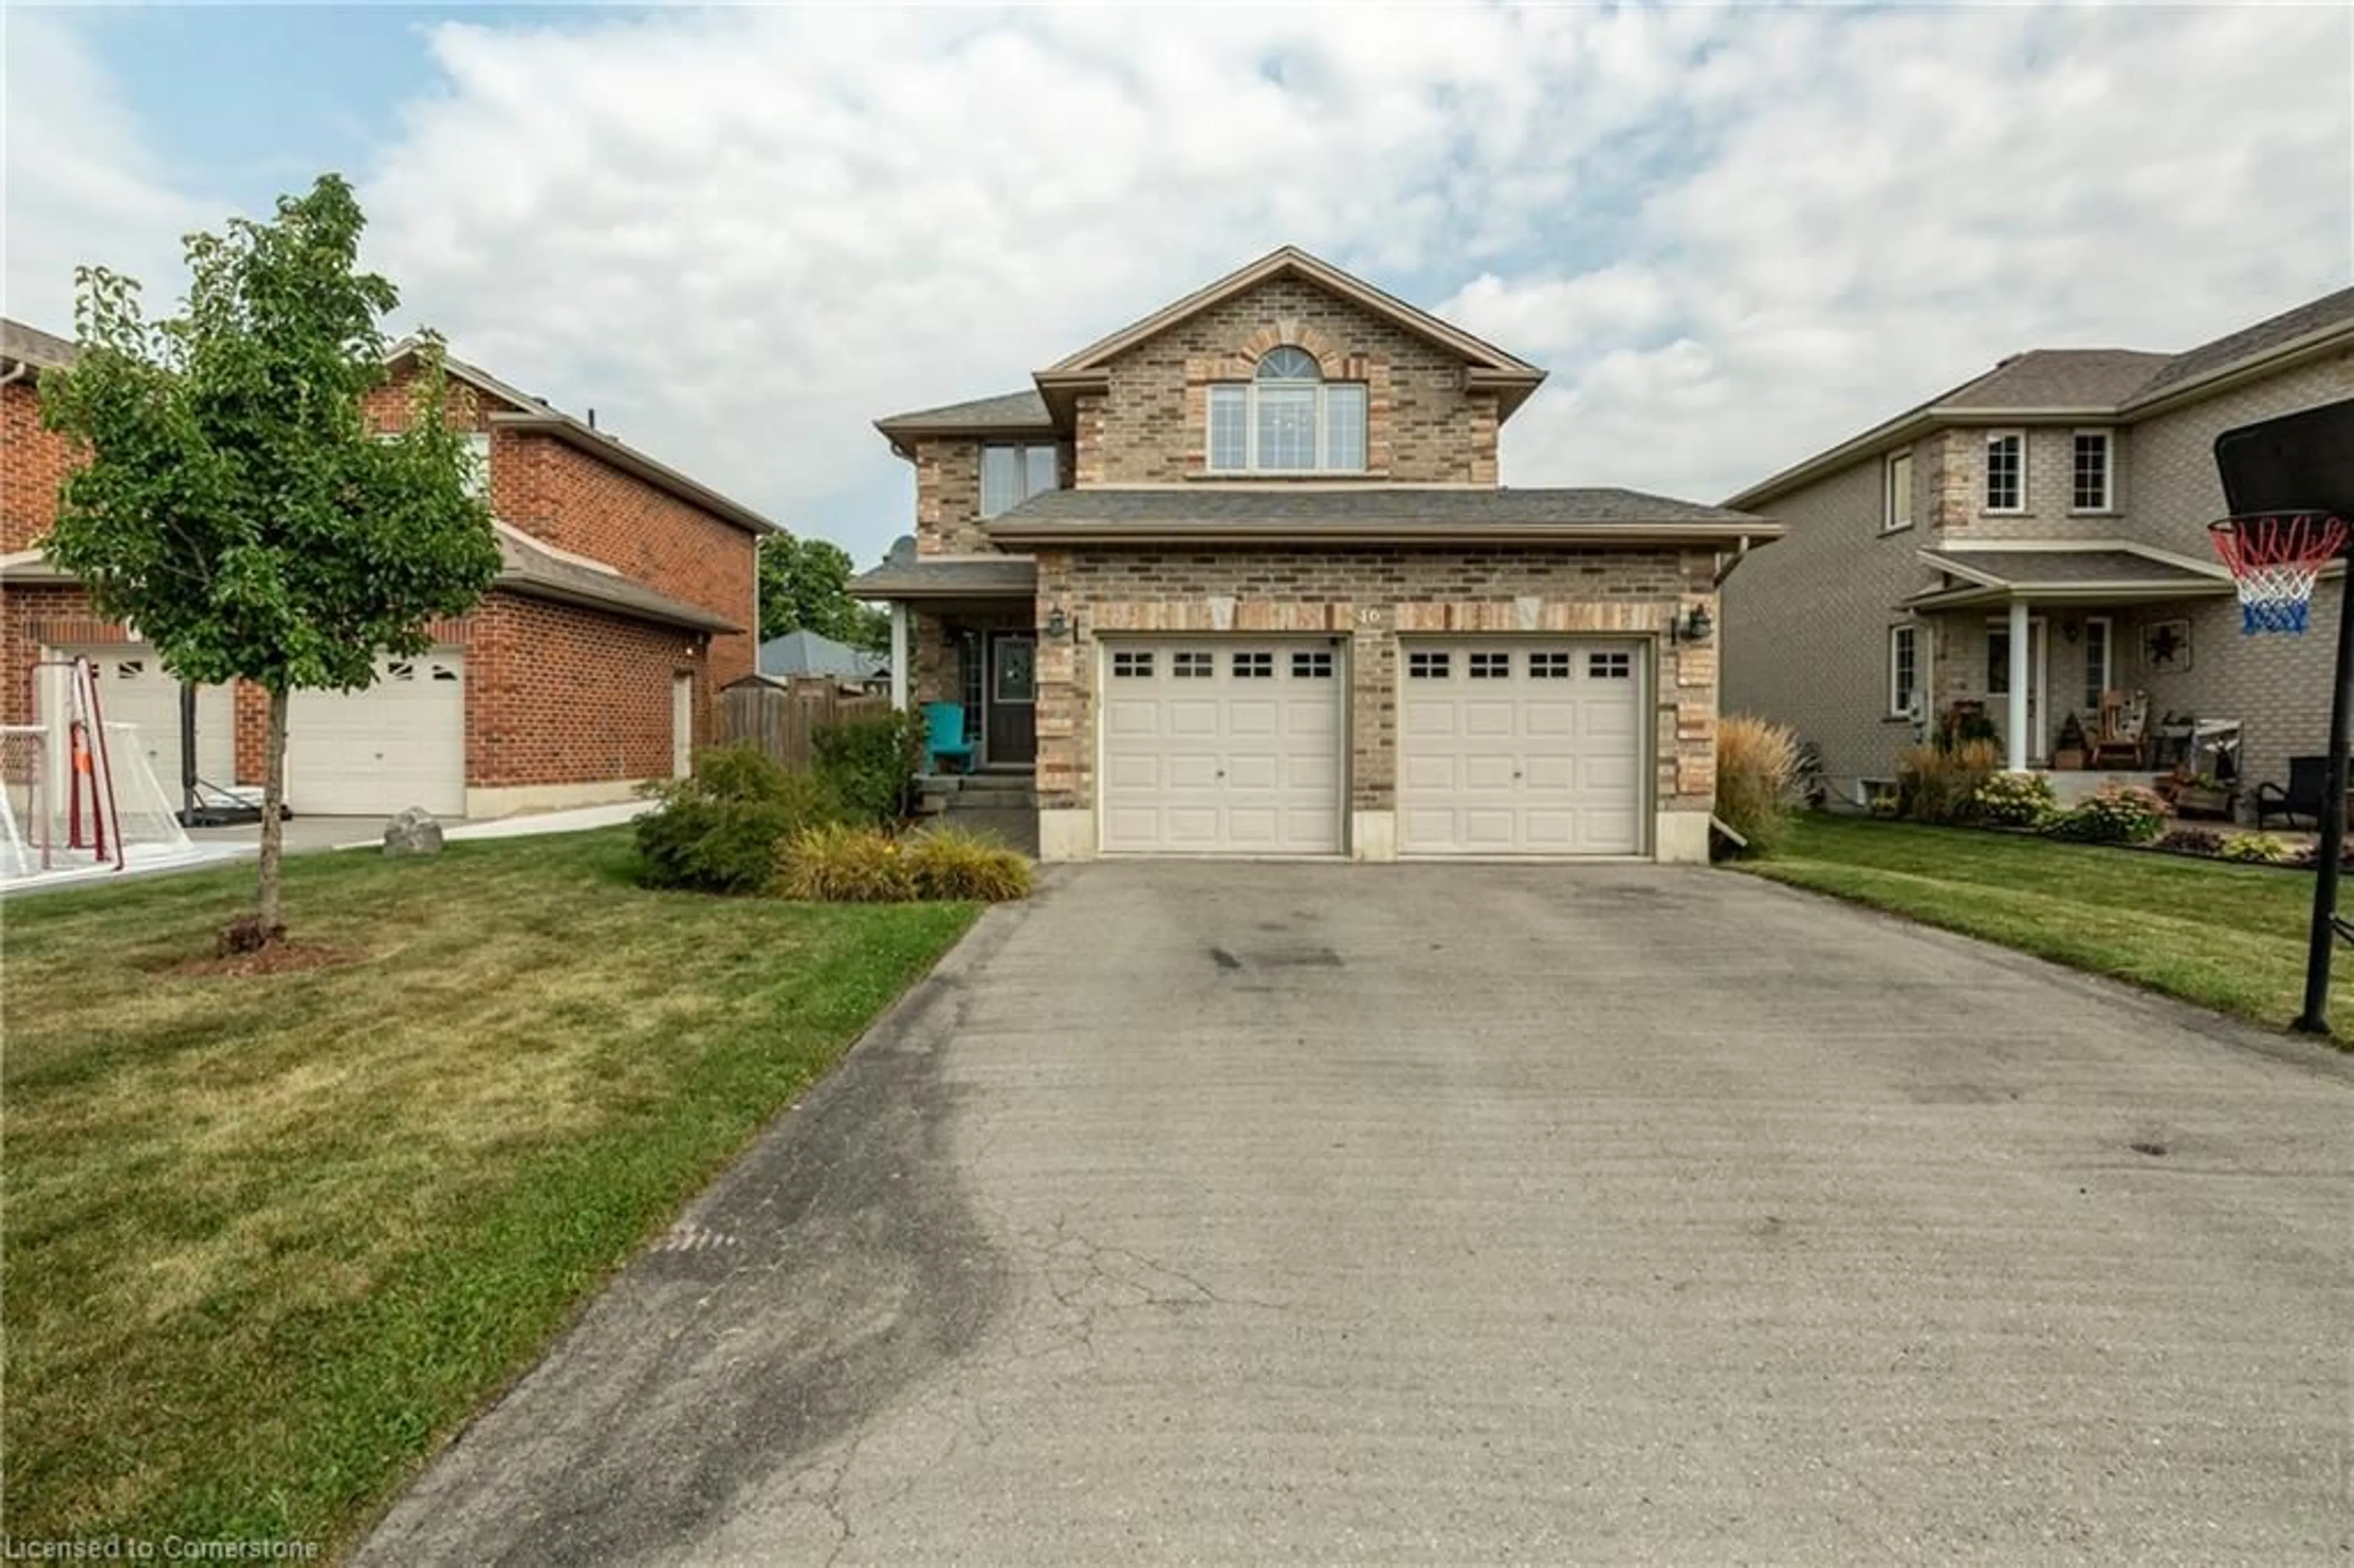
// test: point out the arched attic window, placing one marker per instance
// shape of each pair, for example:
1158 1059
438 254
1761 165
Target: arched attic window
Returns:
1287 418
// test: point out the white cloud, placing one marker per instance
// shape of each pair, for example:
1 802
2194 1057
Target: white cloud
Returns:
79 181
1733 235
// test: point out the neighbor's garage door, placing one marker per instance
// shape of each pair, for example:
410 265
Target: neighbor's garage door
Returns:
1225 748
400 743
132 688
1520 748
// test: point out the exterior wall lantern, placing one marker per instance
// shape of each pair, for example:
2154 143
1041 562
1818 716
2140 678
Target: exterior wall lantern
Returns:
1692 627
1058 625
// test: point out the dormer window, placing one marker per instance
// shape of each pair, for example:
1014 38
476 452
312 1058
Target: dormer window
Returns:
1287 418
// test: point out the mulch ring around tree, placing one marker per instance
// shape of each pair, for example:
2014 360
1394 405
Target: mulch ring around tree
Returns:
278 958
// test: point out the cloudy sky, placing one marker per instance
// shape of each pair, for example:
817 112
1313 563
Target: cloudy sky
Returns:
742 235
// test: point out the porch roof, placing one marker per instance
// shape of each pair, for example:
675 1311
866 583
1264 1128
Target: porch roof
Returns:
2092 572
966 577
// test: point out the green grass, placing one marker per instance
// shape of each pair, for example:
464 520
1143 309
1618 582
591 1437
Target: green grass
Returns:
268 1238
2227 937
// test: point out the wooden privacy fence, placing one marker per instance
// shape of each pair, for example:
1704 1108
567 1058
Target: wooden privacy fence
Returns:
781 720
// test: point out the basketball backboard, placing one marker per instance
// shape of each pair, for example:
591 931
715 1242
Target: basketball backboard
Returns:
2298 462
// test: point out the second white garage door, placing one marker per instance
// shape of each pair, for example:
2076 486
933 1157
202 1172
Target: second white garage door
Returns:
1225 748
400 743
1520 748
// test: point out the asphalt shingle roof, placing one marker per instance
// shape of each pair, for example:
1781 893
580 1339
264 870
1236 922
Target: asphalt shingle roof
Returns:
981 578
2059 378
526 569
1467 509
2030 568
2310 317
31 345
1023 411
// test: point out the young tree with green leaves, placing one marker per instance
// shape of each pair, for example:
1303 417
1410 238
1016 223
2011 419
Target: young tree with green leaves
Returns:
805 587
236 505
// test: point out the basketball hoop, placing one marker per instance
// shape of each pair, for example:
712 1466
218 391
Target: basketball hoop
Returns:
2275 557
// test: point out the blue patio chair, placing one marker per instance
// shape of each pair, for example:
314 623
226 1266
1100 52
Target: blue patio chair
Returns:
944 736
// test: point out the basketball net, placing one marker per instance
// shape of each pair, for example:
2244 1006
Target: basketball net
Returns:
2275 557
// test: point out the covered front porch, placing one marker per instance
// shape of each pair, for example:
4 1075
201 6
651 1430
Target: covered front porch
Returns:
964 650
2075 655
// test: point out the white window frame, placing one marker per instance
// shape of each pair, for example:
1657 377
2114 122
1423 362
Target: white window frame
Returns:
1248 392
1986 474
2108 680
1911 631
1892 518
2109 439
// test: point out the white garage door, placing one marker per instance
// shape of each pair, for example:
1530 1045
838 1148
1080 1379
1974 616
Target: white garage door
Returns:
400 743
132 688
1225 747
1520 748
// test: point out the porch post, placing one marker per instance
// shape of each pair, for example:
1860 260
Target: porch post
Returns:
2015 729
899 671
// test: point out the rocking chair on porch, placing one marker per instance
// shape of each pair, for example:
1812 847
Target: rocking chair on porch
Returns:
2124 725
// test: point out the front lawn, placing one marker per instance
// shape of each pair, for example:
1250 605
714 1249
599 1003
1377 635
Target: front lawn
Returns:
270 1237
2226 937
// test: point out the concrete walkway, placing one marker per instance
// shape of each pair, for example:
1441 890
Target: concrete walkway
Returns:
1281 1213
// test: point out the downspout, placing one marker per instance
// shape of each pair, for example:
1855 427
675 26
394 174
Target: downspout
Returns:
1725 569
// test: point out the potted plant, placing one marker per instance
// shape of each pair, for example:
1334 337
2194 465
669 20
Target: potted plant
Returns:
2068 751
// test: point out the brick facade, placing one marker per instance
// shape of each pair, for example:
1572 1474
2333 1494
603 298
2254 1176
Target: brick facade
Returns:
558 696
1369 598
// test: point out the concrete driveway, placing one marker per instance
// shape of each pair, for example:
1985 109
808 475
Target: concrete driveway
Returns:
1244 1212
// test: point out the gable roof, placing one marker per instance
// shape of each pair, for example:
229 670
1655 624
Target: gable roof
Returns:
2060 384
539 416
1488 368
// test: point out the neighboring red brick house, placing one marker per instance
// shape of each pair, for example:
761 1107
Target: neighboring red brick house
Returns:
626 600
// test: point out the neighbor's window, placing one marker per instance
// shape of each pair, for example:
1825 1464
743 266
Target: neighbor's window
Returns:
1012 475
1903 668
2006 470
478 465
1897 494
2091 489
1287 419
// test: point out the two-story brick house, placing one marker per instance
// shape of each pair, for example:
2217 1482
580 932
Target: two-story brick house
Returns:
2028 541
1240 578
624 602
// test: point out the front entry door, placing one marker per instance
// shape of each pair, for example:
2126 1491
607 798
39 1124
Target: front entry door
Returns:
1012 698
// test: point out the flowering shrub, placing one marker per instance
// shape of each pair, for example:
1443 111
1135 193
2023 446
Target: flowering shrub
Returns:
2014 801
2117 815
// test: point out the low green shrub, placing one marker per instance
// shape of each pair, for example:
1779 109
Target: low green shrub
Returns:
1935 784
2254 849
2116 814
1757 765
2014 801
951 863
2190 841
870 763
718 829
842 863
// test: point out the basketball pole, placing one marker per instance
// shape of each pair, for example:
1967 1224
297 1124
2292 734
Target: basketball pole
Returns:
2314 1019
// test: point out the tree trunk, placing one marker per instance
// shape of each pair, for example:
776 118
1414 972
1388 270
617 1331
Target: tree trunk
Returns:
273 799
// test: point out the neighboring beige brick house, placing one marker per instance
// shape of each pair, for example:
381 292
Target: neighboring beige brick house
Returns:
624 602
2039 530
1240 578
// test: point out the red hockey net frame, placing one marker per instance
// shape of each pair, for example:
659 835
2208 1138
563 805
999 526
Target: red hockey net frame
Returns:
2275 557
